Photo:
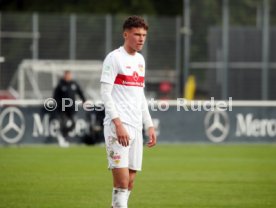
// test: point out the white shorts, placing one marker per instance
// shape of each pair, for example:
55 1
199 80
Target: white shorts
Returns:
124 157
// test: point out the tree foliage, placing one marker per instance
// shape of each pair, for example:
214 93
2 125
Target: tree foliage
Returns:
242 11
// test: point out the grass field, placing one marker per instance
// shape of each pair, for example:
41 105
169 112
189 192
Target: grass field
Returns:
192 176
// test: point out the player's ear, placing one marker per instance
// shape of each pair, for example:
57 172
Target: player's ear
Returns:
125 34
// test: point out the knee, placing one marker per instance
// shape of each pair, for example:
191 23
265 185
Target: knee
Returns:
122 183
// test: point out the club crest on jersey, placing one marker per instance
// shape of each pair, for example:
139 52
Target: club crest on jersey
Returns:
116 158
141 67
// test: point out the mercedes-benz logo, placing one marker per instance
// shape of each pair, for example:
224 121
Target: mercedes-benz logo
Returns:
216 125
12 125
135 76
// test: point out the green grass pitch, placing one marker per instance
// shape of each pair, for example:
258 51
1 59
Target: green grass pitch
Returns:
186 176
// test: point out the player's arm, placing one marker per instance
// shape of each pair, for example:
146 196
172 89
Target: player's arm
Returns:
109 73
122 135
147 121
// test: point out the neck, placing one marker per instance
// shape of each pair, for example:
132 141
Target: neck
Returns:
129 50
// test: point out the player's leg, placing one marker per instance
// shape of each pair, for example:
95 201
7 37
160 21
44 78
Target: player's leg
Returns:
135 156
132 175
120 184
118 162
123 180
120 177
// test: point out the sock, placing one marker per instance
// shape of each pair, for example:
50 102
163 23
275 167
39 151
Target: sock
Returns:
128 193
119 199
112 197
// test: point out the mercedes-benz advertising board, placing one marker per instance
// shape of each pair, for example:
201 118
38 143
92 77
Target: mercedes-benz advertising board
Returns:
243 124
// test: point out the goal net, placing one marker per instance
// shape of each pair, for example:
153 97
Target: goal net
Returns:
36 79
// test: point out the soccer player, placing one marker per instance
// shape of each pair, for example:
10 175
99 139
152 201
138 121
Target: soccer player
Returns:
122 91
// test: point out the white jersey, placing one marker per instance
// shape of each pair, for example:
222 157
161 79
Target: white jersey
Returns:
126 72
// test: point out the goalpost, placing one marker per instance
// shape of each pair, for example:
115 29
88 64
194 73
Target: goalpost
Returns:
36 79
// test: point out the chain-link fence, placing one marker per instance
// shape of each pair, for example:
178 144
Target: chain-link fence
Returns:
82 37
229 57
232 52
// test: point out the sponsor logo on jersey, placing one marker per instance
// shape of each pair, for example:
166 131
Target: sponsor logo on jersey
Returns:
135 76
130 80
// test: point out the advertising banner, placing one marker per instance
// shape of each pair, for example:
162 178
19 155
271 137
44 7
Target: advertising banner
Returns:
23 124
242 124
35 125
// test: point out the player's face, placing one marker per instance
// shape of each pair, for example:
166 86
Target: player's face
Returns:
134 39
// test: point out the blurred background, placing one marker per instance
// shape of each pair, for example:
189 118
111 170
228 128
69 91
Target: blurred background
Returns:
198 50
195 49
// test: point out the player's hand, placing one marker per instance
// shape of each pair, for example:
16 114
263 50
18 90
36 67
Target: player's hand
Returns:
122 135
152 137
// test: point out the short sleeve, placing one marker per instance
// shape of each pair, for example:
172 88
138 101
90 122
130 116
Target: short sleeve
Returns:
109 70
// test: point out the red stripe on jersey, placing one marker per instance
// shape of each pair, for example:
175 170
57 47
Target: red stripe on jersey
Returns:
129 80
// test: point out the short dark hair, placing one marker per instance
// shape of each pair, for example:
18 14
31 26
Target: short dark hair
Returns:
135 21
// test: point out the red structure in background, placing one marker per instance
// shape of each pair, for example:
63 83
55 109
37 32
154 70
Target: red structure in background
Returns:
6 95
165 89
